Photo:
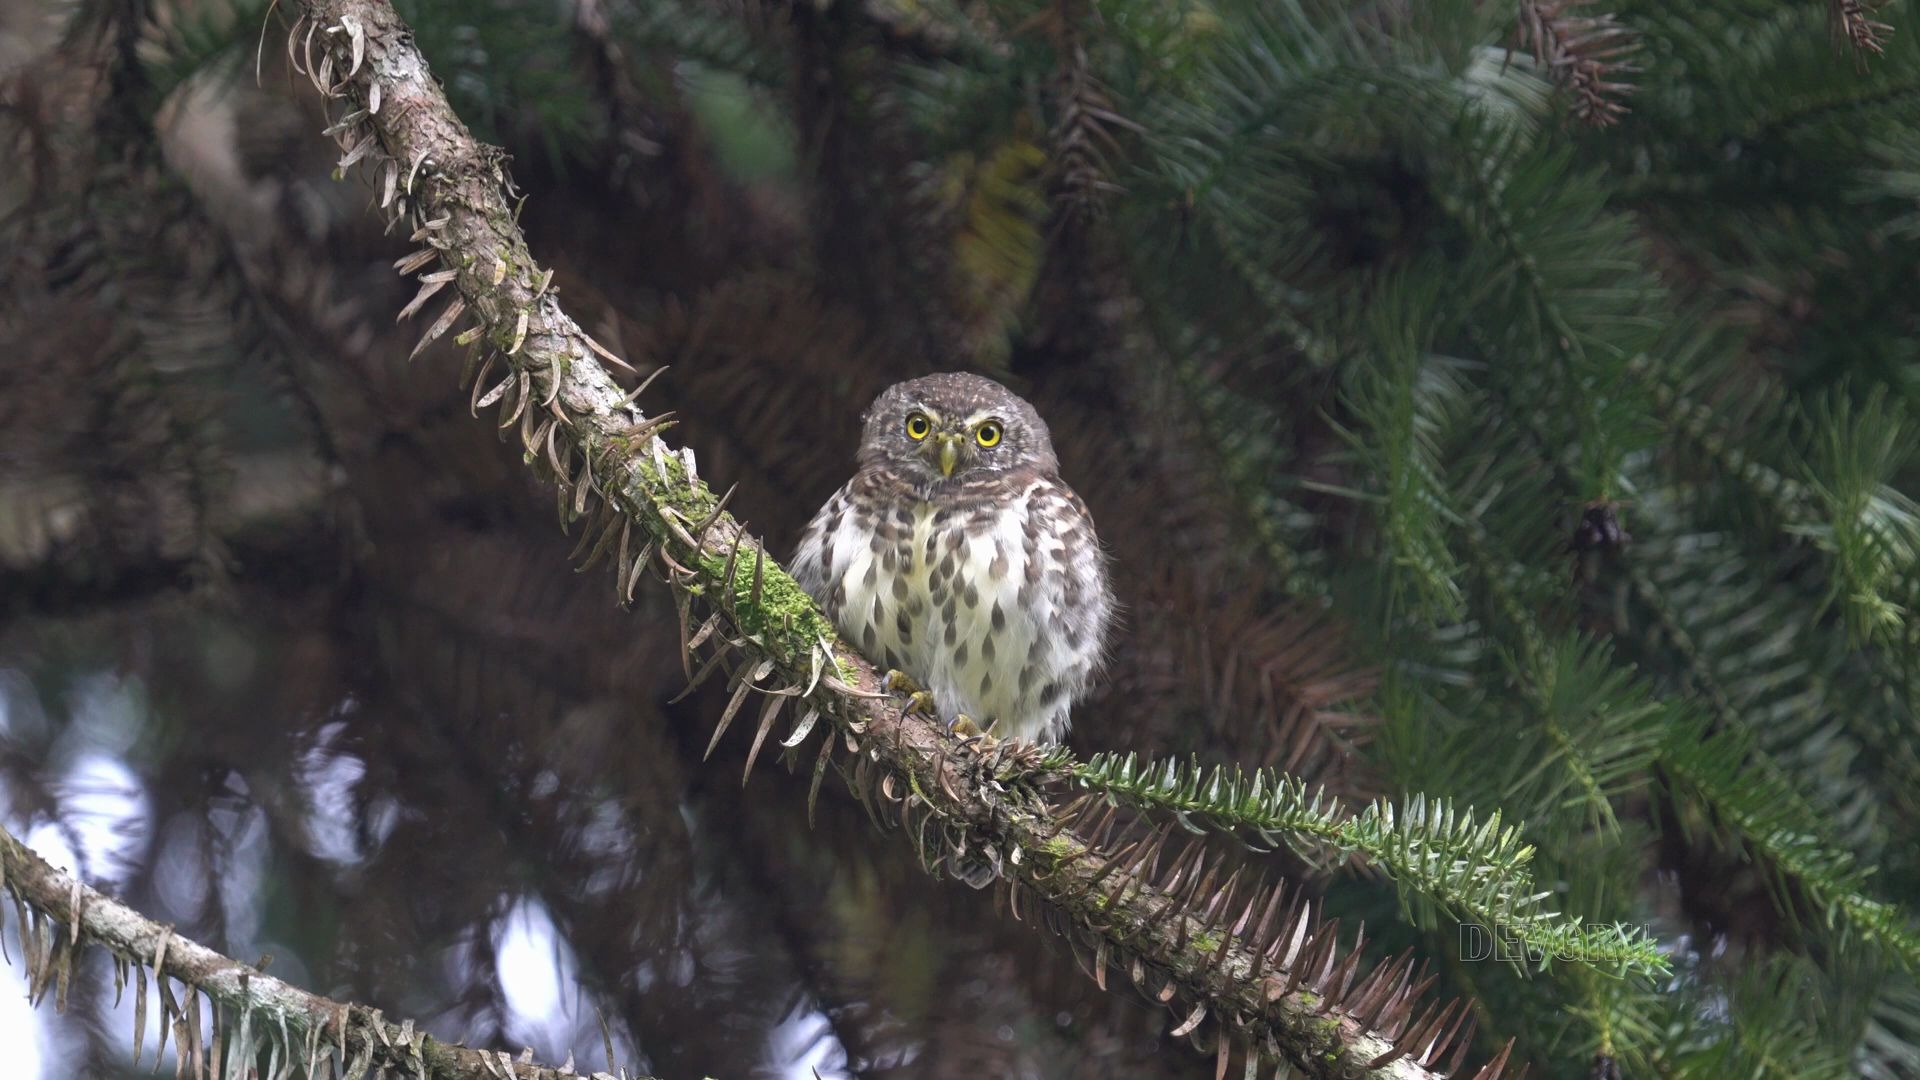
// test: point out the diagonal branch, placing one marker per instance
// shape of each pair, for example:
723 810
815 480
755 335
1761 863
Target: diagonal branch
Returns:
1275 985
253 1014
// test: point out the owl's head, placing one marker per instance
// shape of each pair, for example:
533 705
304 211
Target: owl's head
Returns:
954 426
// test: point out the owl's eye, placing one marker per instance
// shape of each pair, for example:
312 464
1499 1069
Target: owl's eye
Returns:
988 434
918 426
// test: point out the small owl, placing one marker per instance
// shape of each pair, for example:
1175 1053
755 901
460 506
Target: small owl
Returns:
958 557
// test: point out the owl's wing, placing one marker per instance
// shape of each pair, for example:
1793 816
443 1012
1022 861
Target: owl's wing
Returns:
1087 587
1042 565
812 562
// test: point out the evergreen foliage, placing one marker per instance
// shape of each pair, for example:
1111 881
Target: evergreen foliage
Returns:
1475 871
1564 352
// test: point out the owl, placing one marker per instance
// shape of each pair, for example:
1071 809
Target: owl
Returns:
957 557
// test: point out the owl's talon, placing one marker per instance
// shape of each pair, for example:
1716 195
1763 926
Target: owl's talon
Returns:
919 699
971 734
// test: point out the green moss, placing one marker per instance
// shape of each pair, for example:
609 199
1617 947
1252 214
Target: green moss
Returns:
1059 847
779 593
785 618
675 482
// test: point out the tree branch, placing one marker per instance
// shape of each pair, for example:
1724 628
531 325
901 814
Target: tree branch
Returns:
253 1014
1275 984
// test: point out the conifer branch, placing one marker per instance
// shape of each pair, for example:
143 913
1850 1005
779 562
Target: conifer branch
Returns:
1080 139
1736 783
1244 471
1720 766
1841 499
1276 986
1694 422
1855 23
253 1016
1584 54
1478 870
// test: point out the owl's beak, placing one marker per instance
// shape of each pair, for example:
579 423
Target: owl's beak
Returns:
949 454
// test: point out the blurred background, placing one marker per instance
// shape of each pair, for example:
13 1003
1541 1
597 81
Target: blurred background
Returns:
1505 402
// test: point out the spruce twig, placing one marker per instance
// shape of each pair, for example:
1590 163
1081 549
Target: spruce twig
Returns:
1855 24
1585 54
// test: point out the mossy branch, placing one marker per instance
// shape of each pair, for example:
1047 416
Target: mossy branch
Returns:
250 1017
1276 986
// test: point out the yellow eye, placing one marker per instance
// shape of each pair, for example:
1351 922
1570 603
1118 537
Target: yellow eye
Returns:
987 434
918 426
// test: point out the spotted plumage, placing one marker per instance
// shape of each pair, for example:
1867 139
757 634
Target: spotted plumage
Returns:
958 556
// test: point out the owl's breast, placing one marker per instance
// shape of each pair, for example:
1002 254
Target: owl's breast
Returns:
987 602
894 586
